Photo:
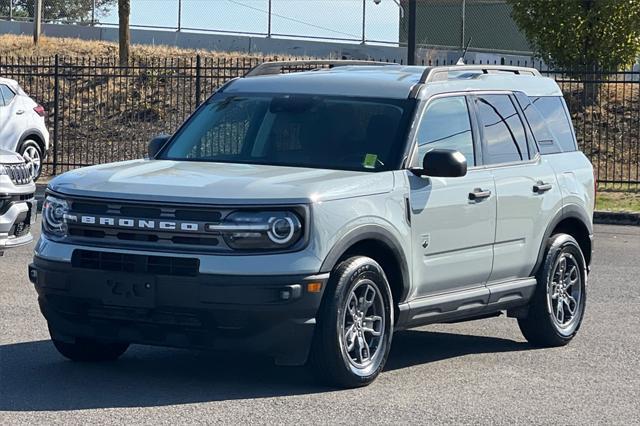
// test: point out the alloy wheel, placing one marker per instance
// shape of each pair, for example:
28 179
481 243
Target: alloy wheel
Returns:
33 159
564 293
363 324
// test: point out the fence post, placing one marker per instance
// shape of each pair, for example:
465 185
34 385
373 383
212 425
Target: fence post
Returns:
411 42
56 112
198 81
463 25
364 22
269 21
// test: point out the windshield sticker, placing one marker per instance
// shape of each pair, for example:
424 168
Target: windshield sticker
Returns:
370 161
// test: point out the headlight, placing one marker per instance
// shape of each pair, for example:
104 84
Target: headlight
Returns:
260 230
54 216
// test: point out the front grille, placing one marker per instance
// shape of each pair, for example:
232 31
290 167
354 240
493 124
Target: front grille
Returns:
21 229
18 173
177 239
135 263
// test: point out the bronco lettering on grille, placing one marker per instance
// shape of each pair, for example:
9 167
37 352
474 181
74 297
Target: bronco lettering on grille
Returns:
133 223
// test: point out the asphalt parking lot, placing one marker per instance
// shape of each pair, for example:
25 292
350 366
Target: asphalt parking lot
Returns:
469 373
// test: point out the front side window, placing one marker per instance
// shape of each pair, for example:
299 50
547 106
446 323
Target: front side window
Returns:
446 125
364 134
502 129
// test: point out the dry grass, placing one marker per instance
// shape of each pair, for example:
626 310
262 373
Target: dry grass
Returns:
22 46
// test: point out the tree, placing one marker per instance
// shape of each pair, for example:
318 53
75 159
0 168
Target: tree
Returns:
570 34
71 11
124 10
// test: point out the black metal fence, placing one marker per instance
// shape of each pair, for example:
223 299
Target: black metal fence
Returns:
101 112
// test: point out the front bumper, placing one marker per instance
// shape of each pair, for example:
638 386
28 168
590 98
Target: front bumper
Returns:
273 315
16 219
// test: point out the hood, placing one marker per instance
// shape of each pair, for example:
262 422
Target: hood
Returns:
218 183
10 157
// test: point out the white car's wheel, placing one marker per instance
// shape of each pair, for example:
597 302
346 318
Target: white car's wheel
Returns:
32 154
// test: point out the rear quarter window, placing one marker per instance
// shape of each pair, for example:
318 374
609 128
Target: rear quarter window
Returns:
7 94
556 117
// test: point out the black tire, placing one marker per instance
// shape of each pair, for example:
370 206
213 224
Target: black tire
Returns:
541 326
88 350
330 357
29 149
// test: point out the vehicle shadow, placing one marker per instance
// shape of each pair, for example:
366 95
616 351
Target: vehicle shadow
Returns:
34 377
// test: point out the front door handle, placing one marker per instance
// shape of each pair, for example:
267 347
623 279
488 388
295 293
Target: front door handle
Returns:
479 194
20 112
541 187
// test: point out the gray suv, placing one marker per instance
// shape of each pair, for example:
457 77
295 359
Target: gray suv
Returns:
309 215
17 205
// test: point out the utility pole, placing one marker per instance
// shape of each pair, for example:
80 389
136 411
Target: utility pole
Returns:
411 42
93 13
37 21
10 10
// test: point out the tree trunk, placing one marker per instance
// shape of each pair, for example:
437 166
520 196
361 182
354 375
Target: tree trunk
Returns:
589 79
124 10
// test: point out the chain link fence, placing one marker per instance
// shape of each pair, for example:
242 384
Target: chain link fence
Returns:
440 23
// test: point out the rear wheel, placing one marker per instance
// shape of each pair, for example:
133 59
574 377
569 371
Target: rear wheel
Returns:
32 154
89 350
558 305
355 325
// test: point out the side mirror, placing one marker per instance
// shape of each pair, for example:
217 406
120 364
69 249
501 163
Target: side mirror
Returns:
156 145
443 163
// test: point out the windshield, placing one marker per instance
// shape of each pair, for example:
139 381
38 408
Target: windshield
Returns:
346 133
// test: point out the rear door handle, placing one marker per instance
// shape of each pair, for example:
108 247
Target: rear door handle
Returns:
541 187
20 112
479 194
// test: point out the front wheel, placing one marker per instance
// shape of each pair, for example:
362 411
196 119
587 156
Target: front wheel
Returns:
558 304
354 325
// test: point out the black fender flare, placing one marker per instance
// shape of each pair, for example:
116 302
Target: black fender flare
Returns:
569 211
370 232
29 133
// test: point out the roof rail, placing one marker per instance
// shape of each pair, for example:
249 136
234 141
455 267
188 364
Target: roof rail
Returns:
442 73
275 67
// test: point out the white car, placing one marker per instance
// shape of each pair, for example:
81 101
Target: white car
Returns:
22 126
17 202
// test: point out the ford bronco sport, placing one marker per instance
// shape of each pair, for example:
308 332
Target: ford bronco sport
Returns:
17 205
310 215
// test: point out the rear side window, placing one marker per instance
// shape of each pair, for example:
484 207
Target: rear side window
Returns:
446 125
546 141
7 94
502 129
555 115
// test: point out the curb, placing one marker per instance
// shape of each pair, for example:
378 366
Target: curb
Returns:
599 217
616 218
